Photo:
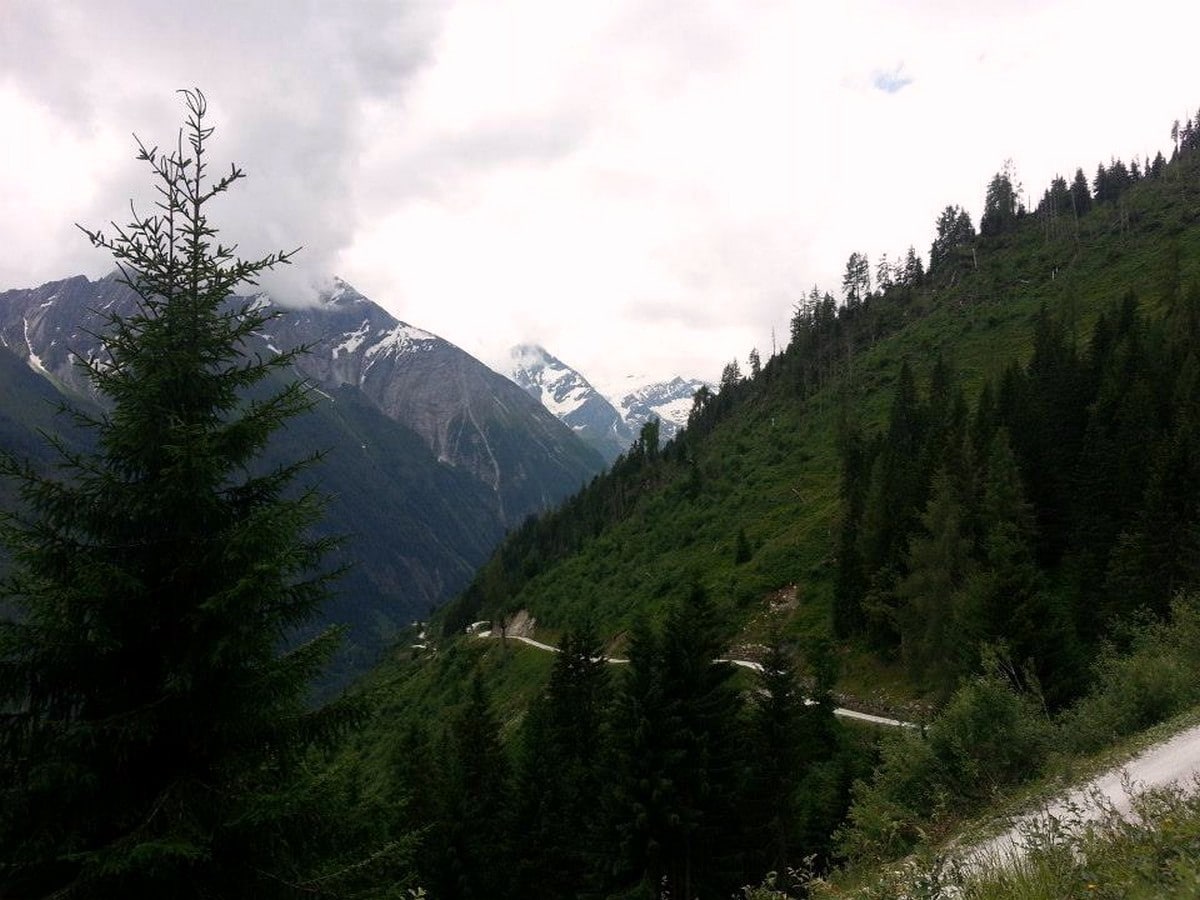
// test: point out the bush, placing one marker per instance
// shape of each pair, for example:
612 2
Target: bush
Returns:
987 737
1158 678
886 813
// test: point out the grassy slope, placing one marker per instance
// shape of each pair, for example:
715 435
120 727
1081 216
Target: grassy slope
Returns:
771 466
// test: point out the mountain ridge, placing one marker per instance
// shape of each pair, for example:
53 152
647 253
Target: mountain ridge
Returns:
609 422
568 395
430 456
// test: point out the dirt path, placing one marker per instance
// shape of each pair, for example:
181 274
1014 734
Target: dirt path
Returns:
743 663
1174 761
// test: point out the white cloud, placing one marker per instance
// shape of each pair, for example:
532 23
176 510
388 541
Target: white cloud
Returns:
640 186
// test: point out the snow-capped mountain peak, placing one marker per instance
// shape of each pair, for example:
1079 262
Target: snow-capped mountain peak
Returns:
668 401
558 387
340 294
569 396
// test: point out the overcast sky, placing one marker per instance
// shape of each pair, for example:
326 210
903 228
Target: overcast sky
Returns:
645 188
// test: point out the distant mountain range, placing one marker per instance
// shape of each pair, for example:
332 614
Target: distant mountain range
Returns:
668 401
567 394
432 456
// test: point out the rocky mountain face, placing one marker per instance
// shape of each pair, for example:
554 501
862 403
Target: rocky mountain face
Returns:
431 457
468 416
668 401
564 392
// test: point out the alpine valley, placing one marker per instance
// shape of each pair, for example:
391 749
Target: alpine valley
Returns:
932 561
429 455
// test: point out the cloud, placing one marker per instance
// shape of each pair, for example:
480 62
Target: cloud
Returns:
891 81
288 95
641 185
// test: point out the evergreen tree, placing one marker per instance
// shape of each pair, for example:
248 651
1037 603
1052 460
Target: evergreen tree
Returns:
1155 169
1119 179
412 792
954 232
1102 185
475 829
914 269
1000 205
894 501
1046 411
1006 600
944 443
731 376
152 722
1159 553
1060 195
856 283
1081 195
850 584
673 812
1123 423
930 618
561 773
788 735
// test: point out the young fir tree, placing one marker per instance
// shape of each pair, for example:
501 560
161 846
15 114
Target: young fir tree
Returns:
933 636
671 811
893 503
151 719
788 736
473 838
850 582
561 772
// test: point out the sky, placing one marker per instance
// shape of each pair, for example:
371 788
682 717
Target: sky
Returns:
644 187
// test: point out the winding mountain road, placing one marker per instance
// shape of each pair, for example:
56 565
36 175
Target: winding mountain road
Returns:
1173 761
840 711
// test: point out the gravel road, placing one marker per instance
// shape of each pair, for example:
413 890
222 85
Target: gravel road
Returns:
1174 761
745 664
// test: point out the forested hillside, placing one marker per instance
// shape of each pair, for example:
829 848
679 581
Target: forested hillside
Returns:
985 409
971 492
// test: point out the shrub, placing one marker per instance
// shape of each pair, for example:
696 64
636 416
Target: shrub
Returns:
1157 678
988 736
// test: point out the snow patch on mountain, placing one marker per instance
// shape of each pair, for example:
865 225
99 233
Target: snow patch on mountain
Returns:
668 401
354 339
571 398
35 361
401 339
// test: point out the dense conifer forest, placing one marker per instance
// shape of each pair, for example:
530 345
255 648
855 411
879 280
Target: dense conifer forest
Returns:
966 494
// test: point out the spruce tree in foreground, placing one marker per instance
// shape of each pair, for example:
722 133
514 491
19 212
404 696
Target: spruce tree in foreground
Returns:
151 726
